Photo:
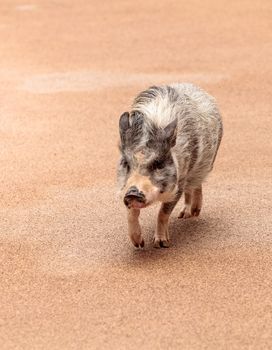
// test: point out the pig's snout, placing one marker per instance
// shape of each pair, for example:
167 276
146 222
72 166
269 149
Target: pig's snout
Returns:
134 196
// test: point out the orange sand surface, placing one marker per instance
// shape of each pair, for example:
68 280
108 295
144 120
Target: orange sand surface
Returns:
69 277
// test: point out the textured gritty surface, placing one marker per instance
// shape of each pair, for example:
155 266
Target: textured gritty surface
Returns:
69 278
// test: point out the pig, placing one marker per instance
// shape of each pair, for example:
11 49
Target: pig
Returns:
168 144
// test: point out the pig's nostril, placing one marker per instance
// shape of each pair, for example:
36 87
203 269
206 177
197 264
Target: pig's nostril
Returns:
126 201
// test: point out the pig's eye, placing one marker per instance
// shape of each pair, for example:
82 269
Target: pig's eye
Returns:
157 164
125 164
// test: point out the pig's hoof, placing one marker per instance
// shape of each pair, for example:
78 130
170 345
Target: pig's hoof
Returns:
138 243
185 214
195 211
161 243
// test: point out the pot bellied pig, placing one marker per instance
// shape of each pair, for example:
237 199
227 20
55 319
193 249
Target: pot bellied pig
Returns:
168 144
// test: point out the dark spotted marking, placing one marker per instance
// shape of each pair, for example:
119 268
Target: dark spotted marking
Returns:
162 172
172 94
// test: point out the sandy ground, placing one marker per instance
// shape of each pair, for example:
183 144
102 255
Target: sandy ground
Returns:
70 278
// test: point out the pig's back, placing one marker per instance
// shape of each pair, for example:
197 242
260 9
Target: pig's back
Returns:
204 103
199 133
162 104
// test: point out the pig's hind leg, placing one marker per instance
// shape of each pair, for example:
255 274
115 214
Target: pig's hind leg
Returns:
193 203
196 201
186 211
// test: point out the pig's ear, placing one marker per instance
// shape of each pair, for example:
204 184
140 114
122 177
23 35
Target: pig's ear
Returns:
130 127
137 120
124 126
170 133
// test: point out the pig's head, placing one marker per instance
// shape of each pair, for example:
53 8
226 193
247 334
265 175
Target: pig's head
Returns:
147 171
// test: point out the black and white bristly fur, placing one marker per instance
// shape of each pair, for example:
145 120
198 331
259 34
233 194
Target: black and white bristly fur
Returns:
168 144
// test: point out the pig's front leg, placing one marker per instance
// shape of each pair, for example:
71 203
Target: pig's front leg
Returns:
134 229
